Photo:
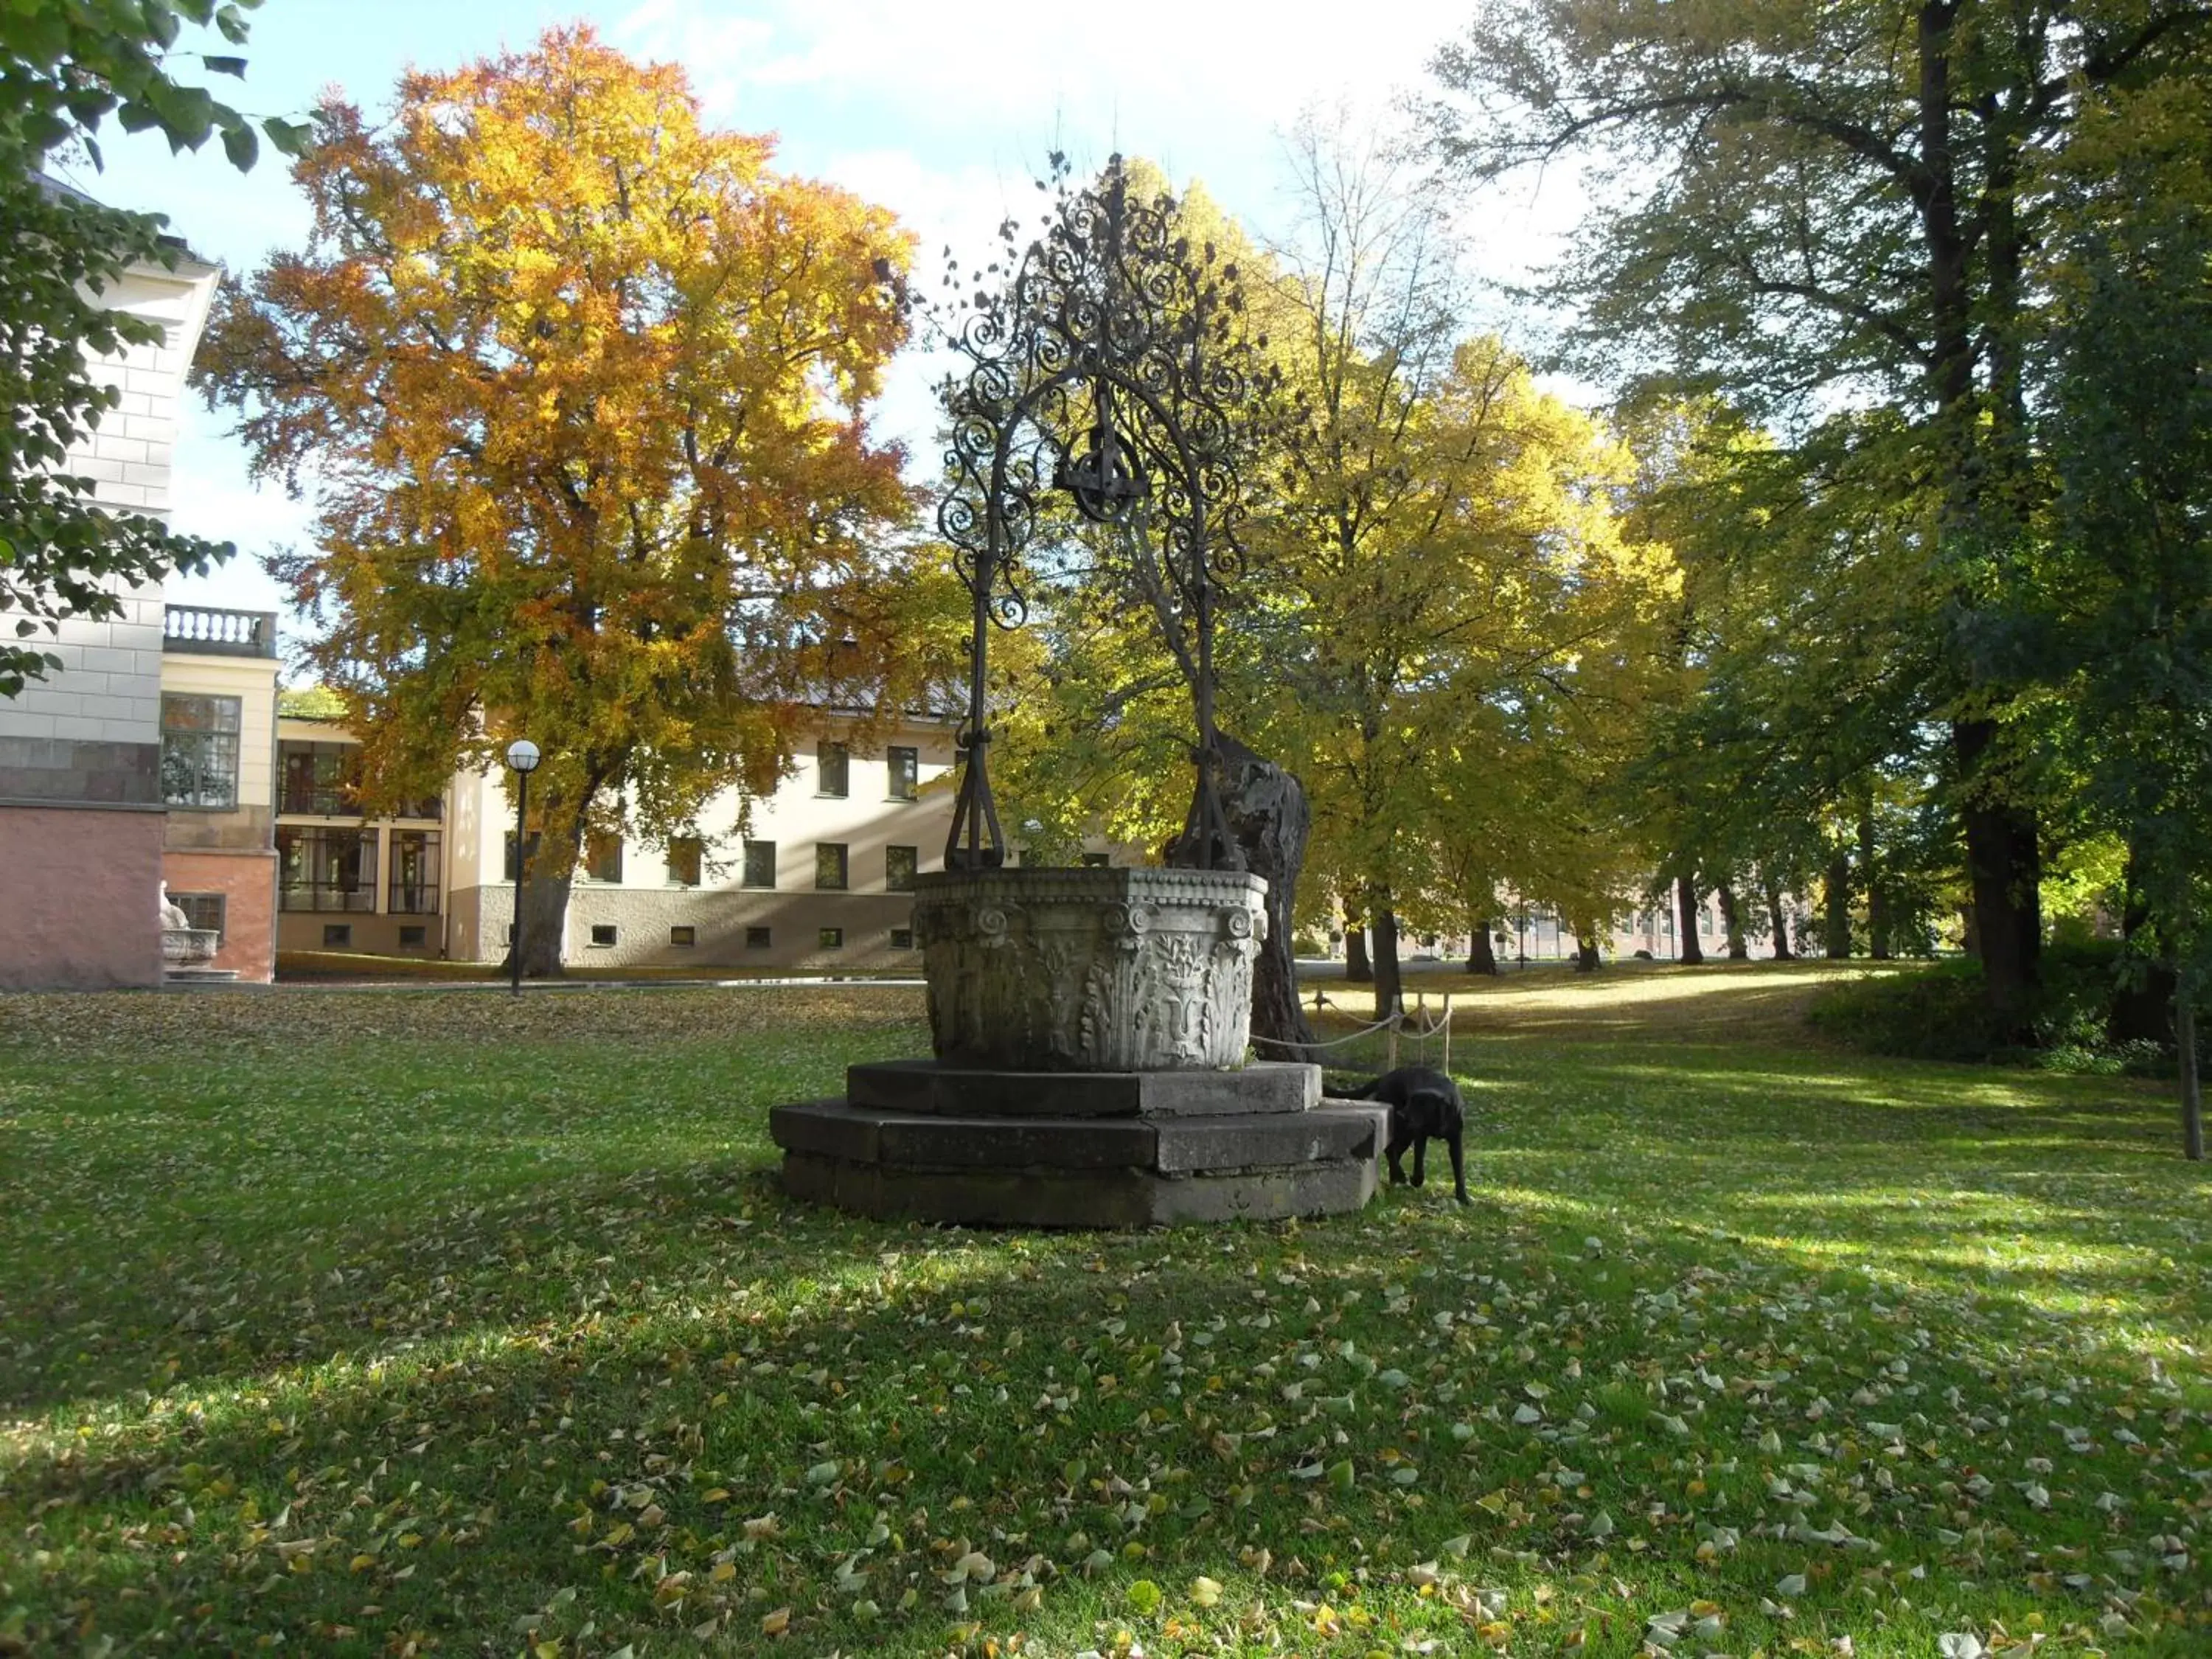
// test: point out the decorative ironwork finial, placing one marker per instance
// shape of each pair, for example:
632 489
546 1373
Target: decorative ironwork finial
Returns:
1104 369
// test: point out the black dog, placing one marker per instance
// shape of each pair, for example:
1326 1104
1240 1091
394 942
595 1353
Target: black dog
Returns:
1423 1103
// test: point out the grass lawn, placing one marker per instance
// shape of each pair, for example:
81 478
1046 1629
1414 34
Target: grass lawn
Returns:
421 1321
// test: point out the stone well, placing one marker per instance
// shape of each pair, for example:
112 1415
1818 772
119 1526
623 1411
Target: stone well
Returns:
1090 1029
1090 970
187 954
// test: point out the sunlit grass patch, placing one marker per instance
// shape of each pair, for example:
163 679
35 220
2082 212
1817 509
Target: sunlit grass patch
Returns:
360 1321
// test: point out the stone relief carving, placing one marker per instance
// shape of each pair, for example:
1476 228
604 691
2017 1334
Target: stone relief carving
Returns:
1091 969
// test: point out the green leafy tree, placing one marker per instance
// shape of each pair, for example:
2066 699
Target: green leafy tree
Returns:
2129 607
1839 203
65 71
1448 557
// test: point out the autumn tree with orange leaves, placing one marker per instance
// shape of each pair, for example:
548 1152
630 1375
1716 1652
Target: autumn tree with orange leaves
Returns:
579 388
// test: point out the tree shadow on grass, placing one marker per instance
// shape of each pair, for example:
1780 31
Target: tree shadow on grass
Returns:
747 1407
554 1362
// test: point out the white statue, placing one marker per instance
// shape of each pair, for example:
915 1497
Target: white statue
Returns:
173 916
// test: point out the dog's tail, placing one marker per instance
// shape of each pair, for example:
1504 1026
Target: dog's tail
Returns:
1364 1092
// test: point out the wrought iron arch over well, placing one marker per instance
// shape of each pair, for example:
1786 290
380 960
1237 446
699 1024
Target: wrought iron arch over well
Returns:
1114 368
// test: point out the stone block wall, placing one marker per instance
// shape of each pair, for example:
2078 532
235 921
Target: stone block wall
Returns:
92 731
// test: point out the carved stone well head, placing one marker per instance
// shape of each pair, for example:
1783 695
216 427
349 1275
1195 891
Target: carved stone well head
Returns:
189 947
1091 970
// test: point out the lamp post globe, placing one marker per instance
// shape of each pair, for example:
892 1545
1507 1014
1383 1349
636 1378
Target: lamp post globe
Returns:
522 757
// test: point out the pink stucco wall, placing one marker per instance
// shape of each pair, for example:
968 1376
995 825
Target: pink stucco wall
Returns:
247 881
79 898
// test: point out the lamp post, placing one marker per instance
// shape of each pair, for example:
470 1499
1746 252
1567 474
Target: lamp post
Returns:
522 759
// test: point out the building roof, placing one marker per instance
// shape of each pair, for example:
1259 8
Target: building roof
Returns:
61 191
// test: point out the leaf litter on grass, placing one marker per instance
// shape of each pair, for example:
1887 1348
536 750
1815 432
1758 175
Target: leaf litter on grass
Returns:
414 1334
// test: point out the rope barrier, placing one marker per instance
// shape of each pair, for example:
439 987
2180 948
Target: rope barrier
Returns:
1334 1043
1393 1024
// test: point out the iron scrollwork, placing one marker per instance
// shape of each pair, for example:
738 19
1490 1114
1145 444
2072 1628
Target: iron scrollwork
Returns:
1113 366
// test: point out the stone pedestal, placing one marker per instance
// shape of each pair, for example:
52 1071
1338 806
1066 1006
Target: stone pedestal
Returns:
1090 1027
186 954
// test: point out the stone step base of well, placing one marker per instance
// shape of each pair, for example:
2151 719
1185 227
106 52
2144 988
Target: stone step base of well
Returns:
928 1086
1076 1171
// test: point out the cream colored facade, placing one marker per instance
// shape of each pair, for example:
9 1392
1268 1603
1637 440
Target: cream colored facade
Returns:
650 917
347 882
340 888
218 683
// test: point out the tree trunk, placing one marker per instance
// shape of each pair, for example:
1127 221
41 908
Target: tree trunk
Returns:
1686 919
545 919
1776 918
1267 814
1481 952
1586 956
1389 987
547 873
2192 1093
1732 923
1357 968
1870 879
2005 866
2143 1009
2003 862
1836 907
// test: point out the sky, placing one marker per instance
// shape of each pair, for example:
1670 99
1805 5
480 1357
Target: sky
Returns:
944 114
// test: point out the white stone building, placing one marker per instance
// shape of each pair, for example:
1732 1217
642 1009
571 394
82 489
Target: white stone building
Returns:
81 813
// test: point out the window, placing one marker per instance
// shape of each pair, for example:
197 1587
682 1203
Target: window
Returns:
905 769
834 763
830 865
686 855
1098 861
202 910
757 938
831 938
603 933
683 936
337 933
760 864
900 864
319 778
199 751
902 939
512 872
603 854
414 873
414 938
322 868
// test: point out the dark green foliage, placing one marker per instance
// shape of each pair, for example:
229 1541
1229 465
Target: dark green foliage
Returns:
58 552
64 70
1941 1013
